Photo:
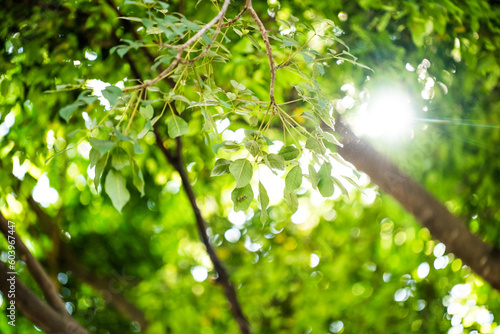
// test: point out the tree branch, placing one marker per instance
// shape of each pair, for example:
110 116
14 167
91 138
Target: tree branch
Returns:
443 225
35 268
269 52
33 308
104 286
180 48
177 162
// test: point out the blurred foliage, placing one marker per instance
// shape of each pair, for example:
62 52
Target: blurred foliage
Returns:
351 263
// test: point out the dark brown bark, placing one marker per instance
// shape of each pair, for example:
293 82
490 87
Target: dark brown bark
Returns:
106 286
432 214
33 308
35 268
177 162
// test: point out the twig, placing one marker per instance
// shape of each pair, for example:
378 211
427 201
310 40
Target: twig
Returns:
177 162
265 38
236 18
180 48
35 268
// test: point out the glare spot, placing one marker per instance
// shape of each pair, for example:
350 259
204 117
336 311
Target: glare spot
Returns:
51 139
314 261
97 87
343 16
409 67
237 136
20 170
62 278
349 89
77 62
43 193
439 249
6 124
420 304
301 215
84 149
251 246
69 307
91 172
237 218
401 295
461 290
389 114
336 326
90 55
368 196
232 235
222 124
200 273
386 277
423 270
347 102
441 262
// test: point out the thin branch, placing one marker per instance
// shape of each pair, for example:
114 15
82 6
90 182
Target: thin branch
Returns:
269 52
483 258
35 268
177 162
180 48
104 285
33 308
214 37
236 18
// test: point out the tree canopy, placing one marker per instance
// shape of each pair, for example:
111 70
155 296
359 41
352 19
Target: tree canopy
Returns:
250 167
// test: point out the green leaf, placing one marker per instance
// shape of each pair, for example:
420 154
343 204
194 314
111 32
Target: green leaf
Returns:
293 179
221 167
254 120
325 182
314 145
341 186
217 146
289 152
138 178
252 147
120 159
242 197
94 156
313 177
112 93
242 171
307 58
331 138
291 200
177 127
99 169
116 189
263 199
147 112
276 161
103 146
237 85
67 111
87 97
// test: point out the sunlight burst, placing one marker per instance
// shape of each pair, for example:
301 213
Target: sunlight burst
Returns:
389 114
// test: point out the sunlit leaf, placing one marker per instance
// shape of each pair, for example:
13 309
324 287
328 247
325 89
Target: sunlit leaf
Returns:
116 189
242 197
293 179
242 171
177 127
221 167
